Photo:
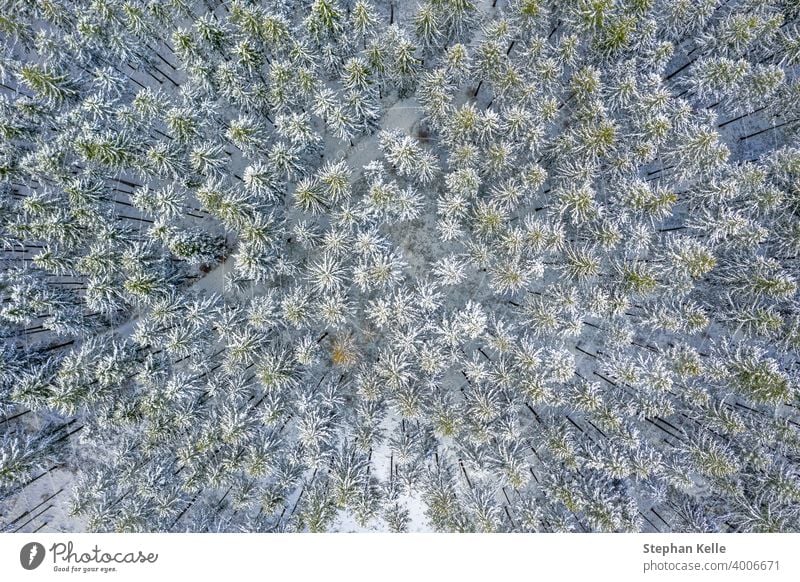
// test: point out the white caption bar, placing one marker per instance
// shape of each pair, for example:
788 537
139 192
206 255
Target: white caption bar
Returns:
413 557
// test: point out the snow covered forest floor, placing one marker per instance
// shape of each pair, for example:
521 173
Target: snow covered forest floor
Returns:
336 265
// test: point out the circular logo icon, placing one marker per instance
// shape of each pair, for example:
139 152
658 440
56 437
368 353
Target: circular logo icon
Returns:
31 555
